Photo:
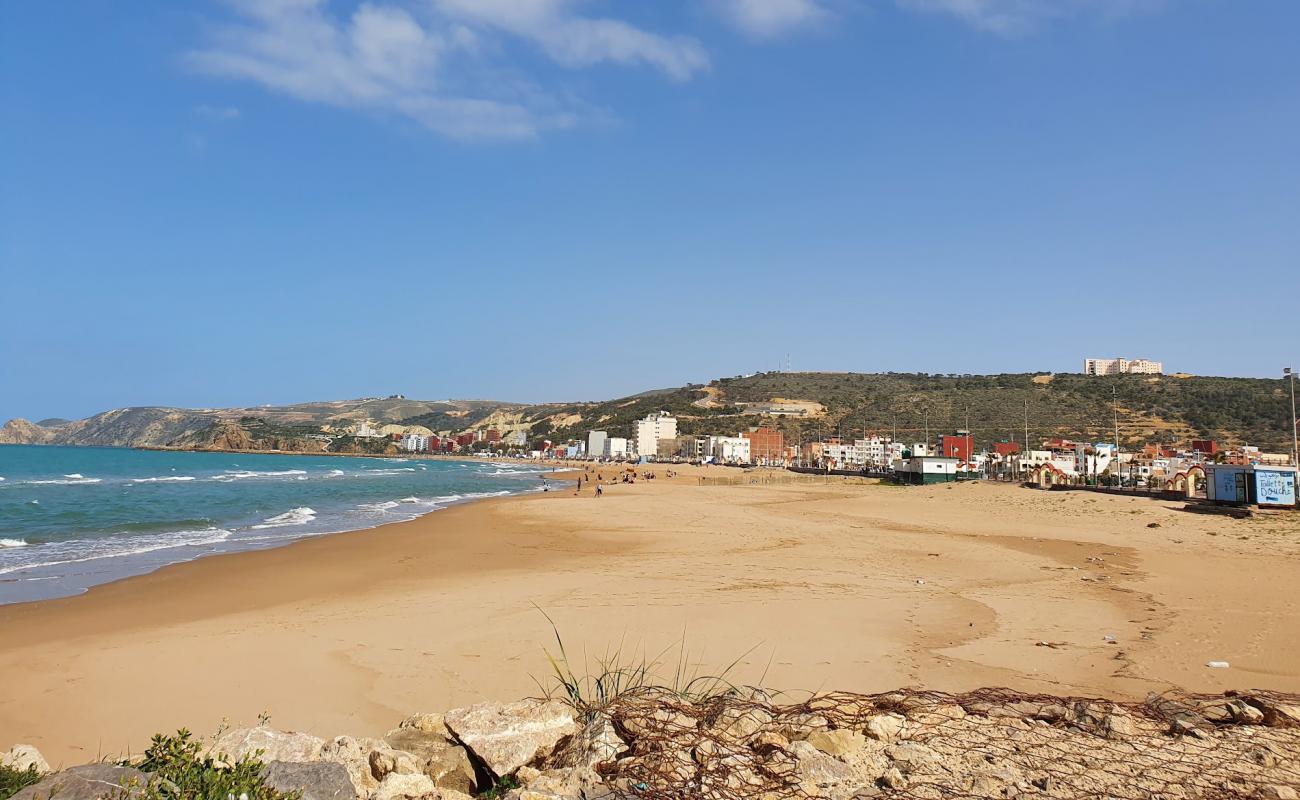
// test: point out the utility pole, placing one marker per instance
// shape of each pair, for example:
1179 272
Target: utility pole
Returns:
969 454
927 431
1295 435
1114 404
1026 427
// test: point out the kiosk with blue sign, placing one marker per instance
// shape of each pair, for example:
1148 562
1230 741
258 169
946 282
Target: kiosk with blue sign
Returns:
1244 484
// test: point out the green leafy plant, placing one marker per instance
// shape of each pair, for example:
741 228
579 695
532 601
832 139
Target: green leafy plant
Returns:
13 780
179 771
499 789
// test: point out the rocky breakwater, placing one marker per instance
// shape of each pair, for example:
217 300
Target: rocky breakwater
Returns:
657 745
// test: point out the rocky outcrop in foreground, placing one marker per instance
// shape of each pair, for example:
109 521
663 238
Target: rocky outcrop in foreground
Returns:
653 744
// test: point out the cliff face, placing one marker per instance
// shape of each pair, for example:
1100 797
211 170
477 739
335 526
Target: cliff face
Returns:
20 431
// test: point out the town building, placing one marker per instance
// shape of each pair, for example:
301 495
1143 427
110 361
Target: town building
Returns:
492 435
1122 366
596 442
615 447
730 449
415 443
957 445
648 432
517 438
926 469
766 445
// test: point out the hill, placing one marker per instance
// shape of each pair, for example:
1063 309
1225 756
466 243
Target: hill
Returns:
1150 408
1168 409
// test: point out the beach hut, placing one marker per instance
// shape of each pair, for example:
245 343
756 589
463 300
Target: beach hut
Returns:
1246 484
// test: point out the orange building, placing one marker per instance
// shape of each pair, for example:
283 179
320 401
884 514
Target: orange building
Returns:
766 445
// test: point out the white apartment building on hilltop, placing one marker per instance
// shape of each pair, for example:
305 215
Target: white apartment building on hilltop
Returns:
647 433
1122 366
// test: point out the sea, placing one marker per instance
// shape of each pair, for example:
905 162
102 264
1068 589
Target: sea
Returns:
74 517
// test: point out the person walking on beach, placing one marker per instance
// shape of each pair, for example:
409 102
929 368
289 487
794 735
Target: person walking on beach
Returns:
599 490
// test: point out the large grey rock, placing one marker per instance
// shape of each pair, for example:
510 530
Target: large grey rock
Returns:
318 780
23 757
275 745
88 782
505 737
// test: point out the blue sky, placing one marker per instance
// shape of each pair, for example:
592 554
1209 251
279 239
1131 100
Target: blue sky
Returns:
250 202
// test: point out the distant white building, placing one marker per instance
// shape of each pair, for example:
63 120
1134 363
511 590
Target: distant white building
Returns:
729 449
415 443
646 433
615 447
365 431
596 442
516 438
1122 366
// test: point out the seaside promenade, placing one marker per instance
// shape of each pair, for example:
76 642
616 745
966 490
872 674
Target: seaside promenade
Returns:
814 586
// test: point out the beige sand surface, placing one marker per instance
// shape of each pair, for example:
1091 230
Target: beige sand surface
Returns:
851 587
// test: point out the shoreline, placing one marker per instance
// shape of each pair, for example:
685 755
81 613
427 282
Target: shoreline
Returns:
812 585
30 584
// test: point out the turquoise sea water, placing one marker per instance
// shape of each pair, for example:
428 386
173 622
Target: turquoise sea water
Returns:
73 517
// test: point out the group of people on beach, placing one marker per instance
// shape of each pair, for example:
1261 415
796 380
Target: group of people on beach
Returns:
630 476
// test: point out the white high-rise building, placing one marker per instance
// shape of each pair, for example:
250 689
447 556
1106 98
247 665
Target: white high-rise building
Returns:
415 443
1122 366
647 432
615 446
596 443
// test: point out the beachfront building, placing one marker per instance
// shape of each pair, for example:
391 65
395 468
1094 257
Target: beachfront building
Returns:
729 449
596 443
648 432
1122 366
415 443
366 431
1240 484
614 447
926 469
766 445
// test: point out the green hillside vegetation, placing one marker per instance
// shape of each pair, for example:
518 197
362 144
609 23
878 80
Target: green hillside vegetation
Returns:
1151 408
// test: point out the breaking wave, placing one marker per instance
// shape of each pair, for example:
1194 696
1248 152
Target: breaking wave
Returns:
295 516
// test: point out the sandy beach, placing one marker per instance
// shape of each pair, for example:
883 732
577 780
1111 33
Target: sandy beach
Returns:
823 586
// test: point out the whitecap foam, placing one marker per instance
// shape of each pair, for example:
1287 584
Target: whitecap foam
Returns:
409 500
334 473
383 472
241 474
76 476
12 543
164 479
384 506
295 516
65 481
76 551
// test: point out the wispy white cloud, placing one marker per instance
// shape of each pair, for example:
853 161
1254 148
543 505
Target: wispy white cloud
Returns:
764 19
427 62
578 41
447 64
1019 17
